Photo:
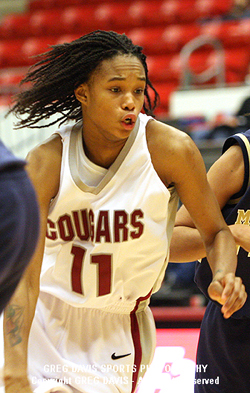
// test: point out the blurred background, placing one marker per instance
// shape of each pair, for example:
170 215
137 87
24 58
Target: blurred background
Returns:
198 54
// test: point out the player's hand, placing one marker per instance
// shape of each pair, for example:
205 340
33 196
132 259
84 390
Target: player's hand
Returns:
20 385
230 292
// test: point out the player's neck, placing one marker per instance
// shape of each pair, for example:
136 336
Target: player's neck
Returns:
102 152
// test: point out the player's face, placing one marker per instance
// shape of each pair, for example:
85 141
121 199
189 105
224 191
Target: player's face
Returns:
114 97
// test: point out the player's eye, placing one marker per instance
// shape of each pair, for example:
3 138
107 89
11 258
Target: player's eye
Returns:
139 91
115 89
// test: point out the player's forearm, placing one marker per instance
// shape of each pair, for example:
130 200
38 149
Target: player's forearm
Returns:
221 254
20 311
186 245
18 317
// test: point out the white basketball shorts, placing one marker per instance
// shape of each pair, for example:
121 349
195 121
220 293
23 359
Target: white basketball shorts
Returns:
89 350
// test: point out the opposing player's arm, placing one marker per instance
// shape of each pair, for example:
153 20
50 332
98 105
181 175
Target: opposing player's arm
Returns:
226 179
44 170
178 162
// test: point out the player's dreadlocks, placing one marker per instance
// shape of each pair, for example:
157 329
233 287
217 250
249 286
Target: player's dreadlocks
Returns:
66 66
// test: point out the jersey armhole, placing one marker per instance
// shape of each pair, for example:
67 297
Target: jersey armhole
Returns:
243 142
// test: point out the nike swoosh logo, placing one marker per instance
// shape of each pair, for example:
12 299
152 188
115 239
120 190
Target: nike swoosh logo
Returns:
115 357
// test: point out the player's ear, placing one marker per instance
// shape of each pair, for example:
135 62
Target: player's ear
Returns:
81 93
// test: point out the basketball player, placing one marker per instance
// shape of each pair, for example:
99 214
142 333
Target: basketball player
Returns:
224 345
19 222
107 188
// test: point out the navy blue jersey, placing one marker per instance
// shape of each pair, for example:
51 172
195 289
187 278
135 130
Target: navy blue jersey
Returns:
237 210
8 160
224 344
19 222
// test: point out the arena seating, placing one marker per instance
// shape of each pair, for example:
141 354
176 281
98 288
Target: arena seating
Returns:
107 15
161 40
231 33
166 68
161 27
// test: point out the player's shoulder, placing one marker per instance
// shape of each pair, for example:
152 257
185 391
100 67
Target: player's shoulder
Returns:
168 138
46 153
169 148
44 165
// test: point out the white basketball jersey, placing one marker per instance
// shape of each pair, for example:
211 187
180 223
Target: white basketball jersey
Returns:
107 246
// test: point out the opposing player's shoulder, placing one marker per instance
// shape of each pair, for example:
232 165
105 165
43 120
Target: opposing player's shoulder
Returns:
169 148
43 166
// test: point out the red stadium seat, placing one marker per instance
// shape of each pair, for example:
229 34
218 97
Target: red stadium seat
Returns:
168 68
33 47
161 27
211 8
236 34
212 28
49 4
35 5
156 13
19 53
15 26
82 20
142 13
77 19
10 79
10 54
164 90
146 13
164 68
230 33
153 13
105 15
164 40
45 22
66 3
237 61
206 65
116 16
41 4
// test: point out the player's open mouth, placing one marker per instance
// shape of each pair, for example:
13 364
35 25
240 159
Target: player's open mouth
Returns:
129 120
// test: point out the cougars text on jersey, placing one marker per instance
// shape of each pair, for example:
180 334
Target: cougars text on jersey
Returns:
109 227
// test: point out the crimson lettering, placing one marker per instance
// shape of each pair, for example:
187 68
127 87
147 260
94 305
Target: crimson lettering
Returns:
120 226
66 228
136 223
117 226
81 224
103 227
51 232
91 224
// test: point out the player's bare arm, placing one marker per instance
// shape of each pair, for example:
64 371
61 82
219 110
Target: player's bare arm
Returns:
225 178
179 162
44 170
